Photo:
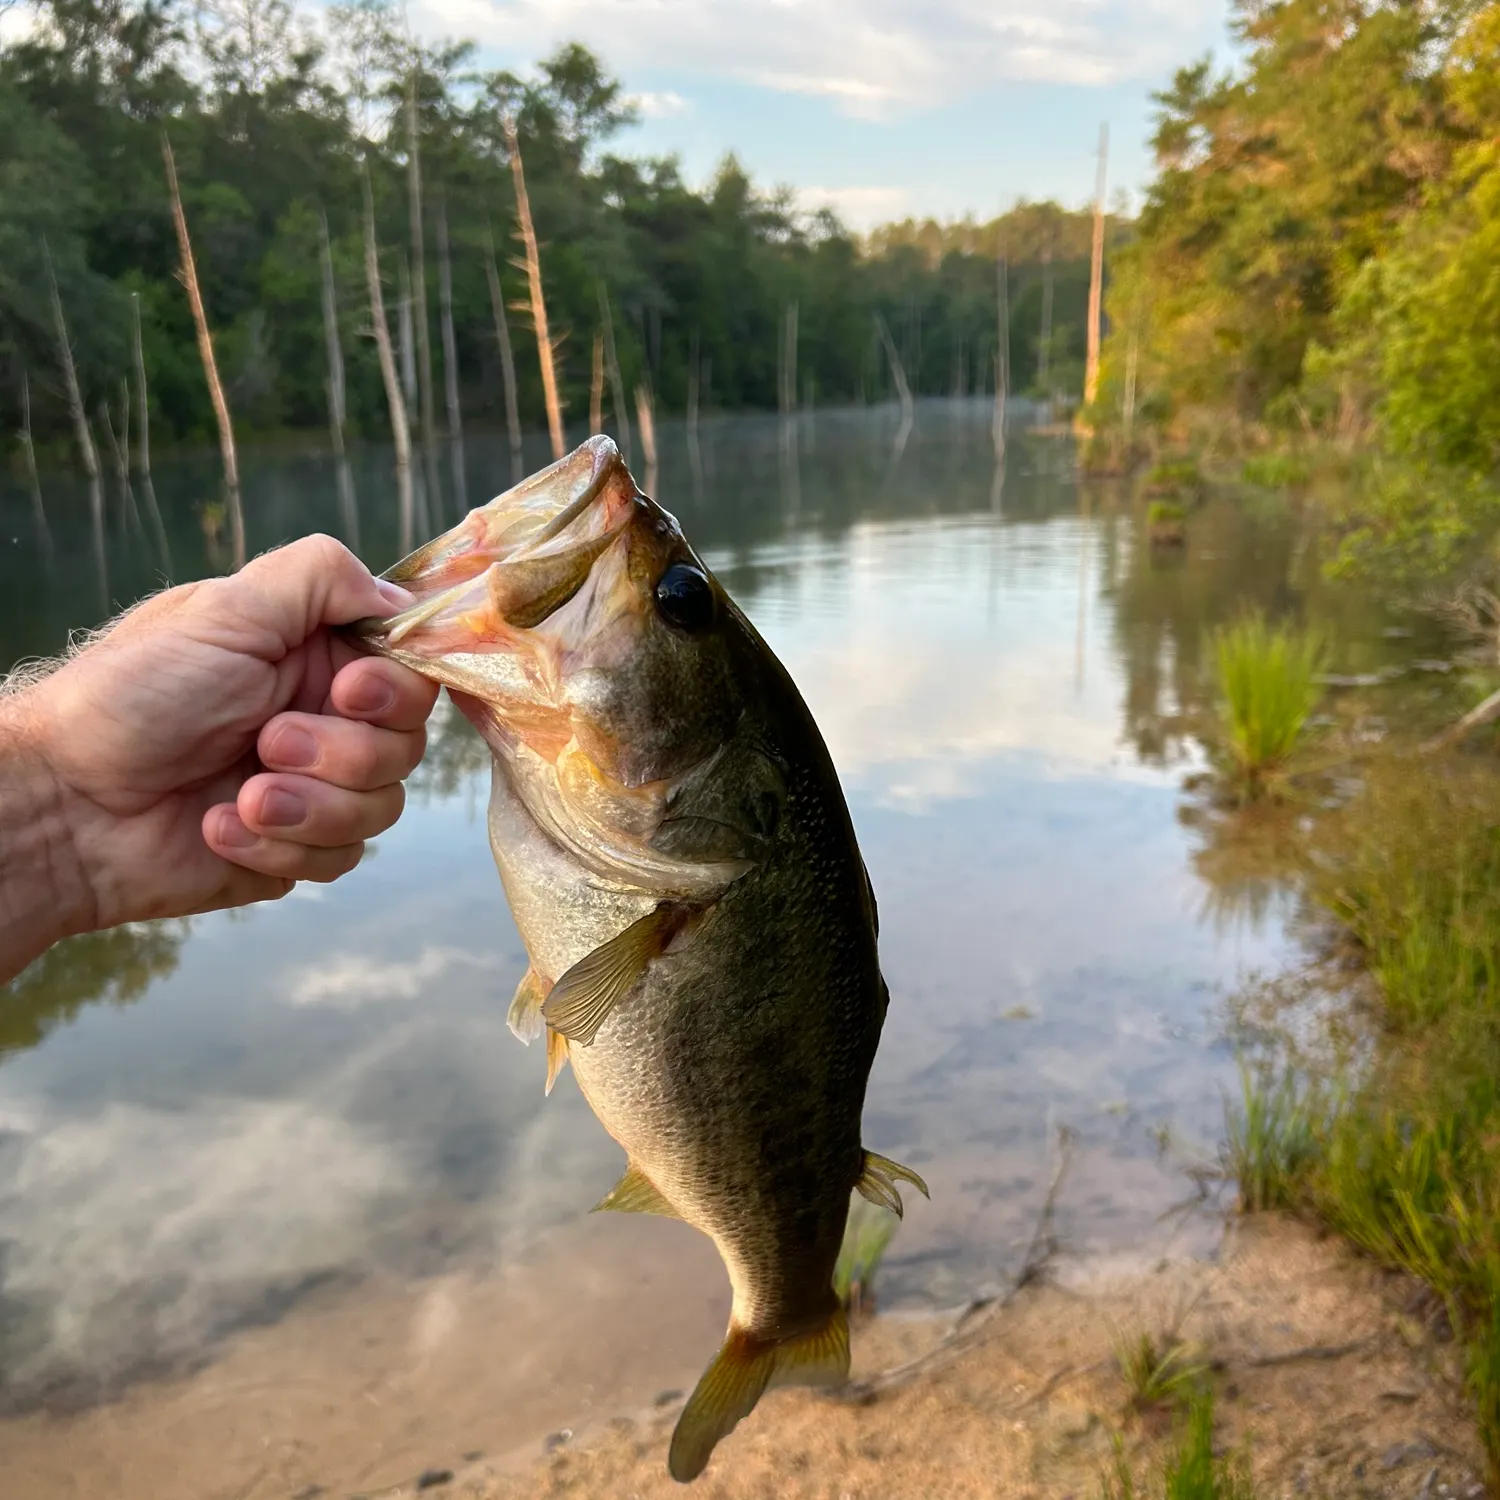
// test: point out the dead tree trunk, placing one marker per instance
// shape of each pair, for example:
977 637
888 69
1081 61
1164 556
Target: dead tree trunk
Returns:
142 404
404 333
1002 350
382 332
189 275
1044 343
70 375
616 380
596 386
898 370
418 259
39 511
645 418
336 408
507 359
533 267
1096 277
445 311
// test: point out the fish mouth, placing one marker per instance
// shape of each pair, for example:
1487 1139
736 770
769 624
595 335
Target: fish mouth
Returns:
507 566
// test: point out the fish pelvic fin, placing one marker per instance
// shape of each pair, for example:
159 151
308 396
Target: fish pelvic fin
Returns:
582 999
525 1016
557 1056
635 1193
878 1180
743 1370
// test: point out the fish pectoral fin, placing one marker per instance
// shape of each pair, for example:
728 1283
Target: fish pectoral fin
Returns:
586 994
557 1056
635 1193
878 1182
525 1016
743 1370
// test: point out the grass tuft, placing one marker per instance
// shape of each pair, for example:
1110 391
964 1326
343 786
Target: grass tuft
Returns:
1272 1139
1159 1371
1267 677
867 1236
1191 1471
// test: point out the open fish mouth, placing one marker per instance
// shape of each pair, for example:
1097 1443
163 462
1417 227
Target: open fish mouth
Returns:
507 565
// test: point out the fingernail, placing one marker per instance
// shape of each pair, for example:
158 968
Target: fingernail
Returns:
394 594
282 809
369 694
293 747
232 833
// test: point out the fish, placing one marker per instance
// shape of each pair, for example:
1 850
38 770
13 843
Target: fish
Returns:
701 929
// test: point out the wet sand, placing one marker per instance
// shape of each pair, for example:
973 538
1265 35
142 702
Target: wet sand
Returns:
1329 1371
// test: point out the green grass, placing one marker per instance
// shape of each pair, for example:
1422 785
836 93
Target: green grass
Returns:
1276 471
1174 476
1272 1137
1267 679
1191 1472
867 1236
1160 1371
1403 1157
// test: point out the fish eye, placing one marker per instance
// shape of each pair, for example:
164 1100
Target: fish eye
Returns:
685 598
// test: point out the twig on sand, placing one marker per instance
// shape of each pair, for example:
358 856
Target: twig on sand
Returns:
1486 712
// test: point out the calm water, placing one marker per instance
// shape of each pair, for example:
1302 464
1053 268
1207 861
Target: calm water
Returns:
264 1141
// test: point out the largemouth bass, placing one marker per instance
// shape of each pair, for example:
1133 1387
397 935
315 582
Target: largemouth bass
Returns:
676 850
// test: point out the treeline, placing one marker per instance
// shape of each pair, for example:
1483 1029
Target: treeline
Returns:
275 118
1320 250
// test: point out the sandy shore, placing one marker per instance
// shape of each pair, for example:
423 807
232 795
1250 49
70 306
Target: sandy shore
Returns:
1333 1376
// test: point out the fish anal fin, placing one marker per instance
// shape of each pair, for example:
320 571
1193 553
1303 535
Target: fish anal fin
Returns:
525 1015
582 999
878 1180
635 1193
741 1372
557 1056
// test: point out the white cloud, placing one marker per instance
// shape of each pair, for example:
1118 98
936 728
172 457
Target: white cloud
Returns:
347 981
660 105
874 58
858 207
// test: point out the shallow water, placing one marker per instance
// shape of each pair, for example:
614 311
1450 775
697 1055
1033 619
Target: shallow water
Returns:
268 1178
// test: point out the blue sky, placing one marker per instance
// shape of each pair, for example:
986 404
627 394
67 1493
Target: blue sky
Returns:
882 108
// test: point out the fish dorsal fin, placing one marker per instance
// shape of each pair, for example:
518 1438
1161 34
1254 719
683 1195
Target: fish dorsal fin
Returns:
741 1373
557 1056
635 1193
525 1017
584 996
878 1180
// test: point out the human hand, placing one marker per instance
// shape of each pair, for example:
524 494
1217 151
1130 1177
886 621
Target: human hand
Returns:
218 745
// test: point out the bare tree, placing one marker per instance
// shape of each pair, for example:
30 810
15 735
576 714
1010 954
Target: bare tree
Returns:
507 357
418 255
445 312
382 333
70 375
532 265
1096 276
332 343
616 380
189 276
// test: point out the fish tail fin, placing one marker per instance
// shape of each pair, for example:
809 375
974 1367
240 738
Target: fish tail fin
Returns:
743 1370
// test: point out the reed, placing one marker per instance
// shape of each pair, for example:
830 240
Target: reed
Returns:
1267 680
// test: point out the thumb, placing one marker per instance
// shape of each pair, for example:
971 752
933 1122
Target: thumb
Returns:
287 594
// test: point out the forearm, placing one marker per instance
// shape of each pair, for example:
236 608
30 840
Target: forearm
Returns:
40 885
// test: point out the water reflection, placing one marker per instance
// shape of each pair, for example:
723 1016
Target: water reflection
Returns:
309 1106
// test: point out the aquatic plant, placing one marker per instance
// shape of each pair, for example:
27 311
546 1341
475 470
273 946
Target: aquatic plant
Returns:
1267 679
1275 470
1174 476
867 1236
1271 1138
1166 523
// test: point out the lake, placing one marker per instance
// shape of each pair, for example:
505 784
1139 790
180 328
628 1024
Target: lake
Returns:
281 1202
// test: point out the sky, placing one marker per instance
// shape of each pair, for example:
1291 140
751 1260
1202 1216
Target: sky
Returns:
880 109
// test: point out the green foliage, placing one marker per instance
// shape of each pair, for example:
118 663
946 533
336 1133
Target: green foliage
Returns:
1191 1472
1272 1137
271 116
1319 254
1404 1157
867 1236
1276 470
1174 476
1267 681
